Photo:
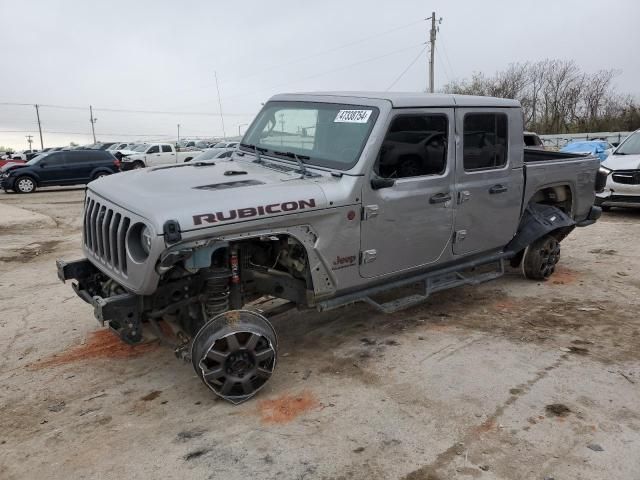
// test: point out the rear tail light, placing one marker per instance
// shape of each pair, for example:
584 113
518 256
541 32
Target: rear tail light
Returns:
116 162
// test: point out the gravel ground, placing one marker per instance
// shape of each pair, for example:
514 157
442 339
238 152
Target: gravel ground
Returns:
512 379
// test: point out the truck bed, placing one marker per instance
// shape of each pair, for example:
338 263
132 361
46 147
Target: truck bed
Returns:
545 169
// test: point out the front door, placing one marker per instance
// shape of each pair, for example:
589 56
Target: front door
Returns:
54 169
408 199
153 156
489 179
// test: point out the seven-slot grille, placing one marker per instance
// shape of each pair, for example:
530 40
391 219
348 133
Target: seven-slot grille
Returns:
628 177
105 233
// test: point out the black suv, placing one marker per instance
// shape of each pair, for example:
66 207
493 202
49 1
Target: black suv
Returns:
67 167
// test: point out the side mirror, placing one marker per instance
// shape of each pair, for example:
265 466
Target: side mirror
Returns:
378 182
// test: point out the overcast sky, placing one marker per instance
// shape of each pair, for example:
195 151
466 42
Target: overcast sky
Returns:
161 55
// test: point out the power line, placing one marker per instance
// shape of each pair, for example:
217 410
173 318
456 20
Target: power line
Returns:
262 70
444 69
446 56
406 69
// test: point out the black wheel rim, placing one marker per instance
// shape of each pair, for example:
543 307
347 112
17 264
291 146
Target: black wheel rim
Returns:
235 358
549 257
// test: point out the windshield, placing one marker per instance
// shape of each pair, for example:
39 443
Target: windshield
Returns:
37 158
324 134
631 146
140 148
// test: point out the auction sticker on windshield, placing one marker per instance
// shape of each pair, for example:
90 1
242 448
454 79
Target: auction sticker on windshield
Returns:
353 116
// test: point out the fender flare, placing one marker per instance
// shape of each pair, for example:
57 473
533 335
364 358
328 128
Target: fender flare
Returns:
537 221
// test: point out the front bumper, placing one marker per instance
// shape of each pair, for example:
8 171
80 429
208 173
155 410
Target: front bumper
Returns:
594 214
121 312
6 183
617 194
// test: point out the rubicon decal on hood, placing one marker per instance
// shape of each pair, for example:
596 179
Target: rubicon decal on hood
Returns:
249 212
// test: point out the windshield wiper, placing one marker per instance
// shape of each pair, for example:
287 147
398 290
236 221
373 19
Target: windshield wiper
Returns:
297 158
256 151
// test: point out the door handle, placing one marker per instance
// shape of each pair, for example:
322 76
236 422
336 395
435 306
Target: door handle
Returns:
440 198
498 189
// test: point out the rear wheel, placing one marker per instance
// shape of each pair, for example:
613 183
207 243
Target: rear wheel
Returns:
100 175
25 185
234 354
138 164
541 258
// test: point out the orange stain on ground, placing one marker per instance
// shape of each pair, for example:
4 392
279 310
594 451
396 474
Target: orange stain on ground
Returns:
287 407
99 344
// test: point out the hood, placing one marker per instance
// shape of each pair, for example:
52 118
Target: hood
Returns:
12 166
200 195
622 162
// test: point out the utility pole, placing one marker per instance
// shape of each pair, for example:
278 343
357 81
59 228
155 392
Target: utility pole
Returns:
39 127
178 142
93 121
224 134
432 50
29 139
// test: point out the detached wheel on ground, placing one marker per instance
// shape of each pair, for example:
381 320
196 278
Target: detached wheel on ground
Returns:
25 185
234 354
541 258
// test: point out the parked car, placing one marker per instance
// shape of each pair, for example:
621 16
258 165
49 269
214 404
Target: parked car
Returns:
154 154
119 146
598 148
212 154
318 225
532 140
8 160
623 180
59 168
226 145
24 155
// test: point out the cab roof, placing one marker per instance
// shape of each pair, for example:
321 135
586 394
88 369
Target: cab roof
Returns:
404 99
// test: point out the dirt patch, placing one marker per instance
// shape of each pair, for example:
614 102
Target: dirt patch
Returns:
151 396
557 410
31 251
286 408
564 276
100 344
603 251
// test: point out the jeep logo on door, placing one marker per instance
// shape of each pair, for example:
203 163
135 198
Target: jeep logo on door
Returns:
249 212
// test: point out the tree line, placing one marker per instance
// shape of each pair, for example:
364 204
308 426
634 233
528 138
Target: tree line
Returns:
558 97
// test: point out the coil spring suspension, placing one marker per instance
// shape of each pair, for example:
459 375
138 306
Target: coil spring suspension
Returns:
216 291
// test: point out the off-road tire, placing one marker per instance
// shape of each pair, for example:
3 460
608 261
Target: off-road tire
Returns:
541 258
25 184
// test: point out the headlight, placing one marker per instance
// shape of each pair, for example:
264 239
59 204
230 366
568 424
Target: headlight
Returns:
145 239
139 241
605 170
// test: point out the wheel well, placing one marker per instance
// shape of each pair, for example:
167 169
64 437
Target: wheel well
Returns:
559 196
188 159
32 177
99 171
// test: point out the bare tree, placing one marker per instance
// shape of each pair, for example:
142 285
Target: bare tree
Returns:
557 96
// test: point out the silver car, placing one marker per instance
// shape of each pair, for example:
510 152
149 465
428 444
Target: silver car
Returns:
623 181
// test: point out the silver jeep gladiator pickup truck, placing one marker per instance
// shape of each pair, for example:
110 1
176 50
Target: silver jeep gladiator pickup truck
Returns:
331 199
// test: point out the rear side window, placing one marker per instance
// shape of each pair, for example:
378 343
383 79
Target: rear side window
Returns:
485 141
414 146
166 148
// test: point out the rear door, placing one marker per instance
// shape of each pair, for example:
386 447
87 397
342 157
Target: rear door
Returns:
80 164
489 178
168 154
408 223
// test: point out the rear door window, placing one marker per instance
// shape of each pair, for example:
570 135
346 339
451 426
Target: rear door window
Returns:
485 141
166 148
